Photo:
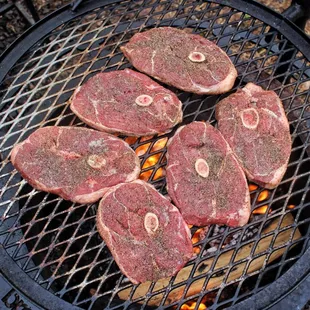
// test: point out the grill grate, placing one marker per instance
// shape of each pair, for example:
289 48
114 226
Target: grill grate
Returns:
56 243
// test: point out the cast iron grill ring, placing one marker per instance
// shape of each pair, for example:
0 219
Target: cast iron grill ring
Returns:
55 242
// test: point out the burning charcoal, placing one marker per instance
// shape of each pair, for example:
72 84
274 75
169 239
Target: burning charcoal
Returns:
213 249
233 242
236 235
125 280
216 230
214 243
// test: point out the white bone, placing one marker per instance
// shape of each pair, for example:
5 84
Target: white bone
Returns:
151 222
196 57
144 100
96 161
245 123
202 167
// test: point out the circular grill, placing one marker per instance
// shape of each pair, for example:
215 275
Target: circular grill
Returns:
55 242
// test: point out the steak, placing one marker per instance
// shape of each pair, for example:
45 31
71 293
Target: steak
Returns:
186 61
126 102
254 123
75 163
204 179
144 231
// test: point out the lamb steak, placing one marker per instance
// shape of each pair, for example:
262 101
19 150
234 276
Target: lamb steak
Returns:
126 102
186 61
144 231
204 179
254 123
78 164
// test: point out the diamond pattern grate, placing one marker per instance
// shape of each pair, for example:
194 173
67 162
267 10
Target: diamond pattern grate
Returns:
56 243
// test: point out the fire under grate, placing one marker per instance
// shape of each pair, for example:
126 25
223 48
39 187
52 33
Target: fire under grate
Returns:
56 242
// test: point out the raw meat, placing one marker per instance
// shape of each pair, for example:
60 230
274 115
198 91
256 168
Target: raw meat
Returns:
253 122
126 102
144 231
204 179
186 61
78 164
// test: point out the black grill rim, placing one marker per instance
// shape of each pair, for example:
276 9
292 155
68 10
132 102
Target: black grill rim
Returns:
267 297
16 50
279 22
31 289
283 287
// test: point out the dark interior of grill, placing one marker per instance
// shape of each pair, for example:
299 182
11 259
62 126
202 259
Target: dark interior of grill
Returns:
56 242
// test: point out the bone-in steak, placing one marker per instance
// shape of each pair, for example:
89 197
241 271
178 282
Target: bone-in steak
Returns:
254 123
186 61
78 164
126 102
144 231
204 179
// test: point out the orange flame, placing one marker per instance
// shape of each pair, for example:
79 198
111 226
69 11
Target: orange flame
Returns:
192 305
291 206
145 175
151 161
263 195
142 149
159 173
196 250
131 140
252 187
195 239
261 210
159 144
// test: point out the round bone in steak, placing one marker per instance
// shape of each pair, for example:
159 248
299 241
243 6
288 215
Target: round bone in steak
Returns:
126 102
78 164
254 123
186 61
144 231
204 179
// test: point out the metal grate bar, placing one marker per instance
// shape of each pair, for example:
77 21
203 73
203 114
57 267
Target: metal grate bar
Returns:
56 243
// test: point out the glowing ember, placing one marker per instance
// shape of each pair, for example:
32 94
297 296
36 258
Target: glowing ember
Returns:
252 187
195 239
261 210
142 149
196 250
131 140
159 144
151 161
159 173
291 206
145 175
192 305
263 195
196 236
92 291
